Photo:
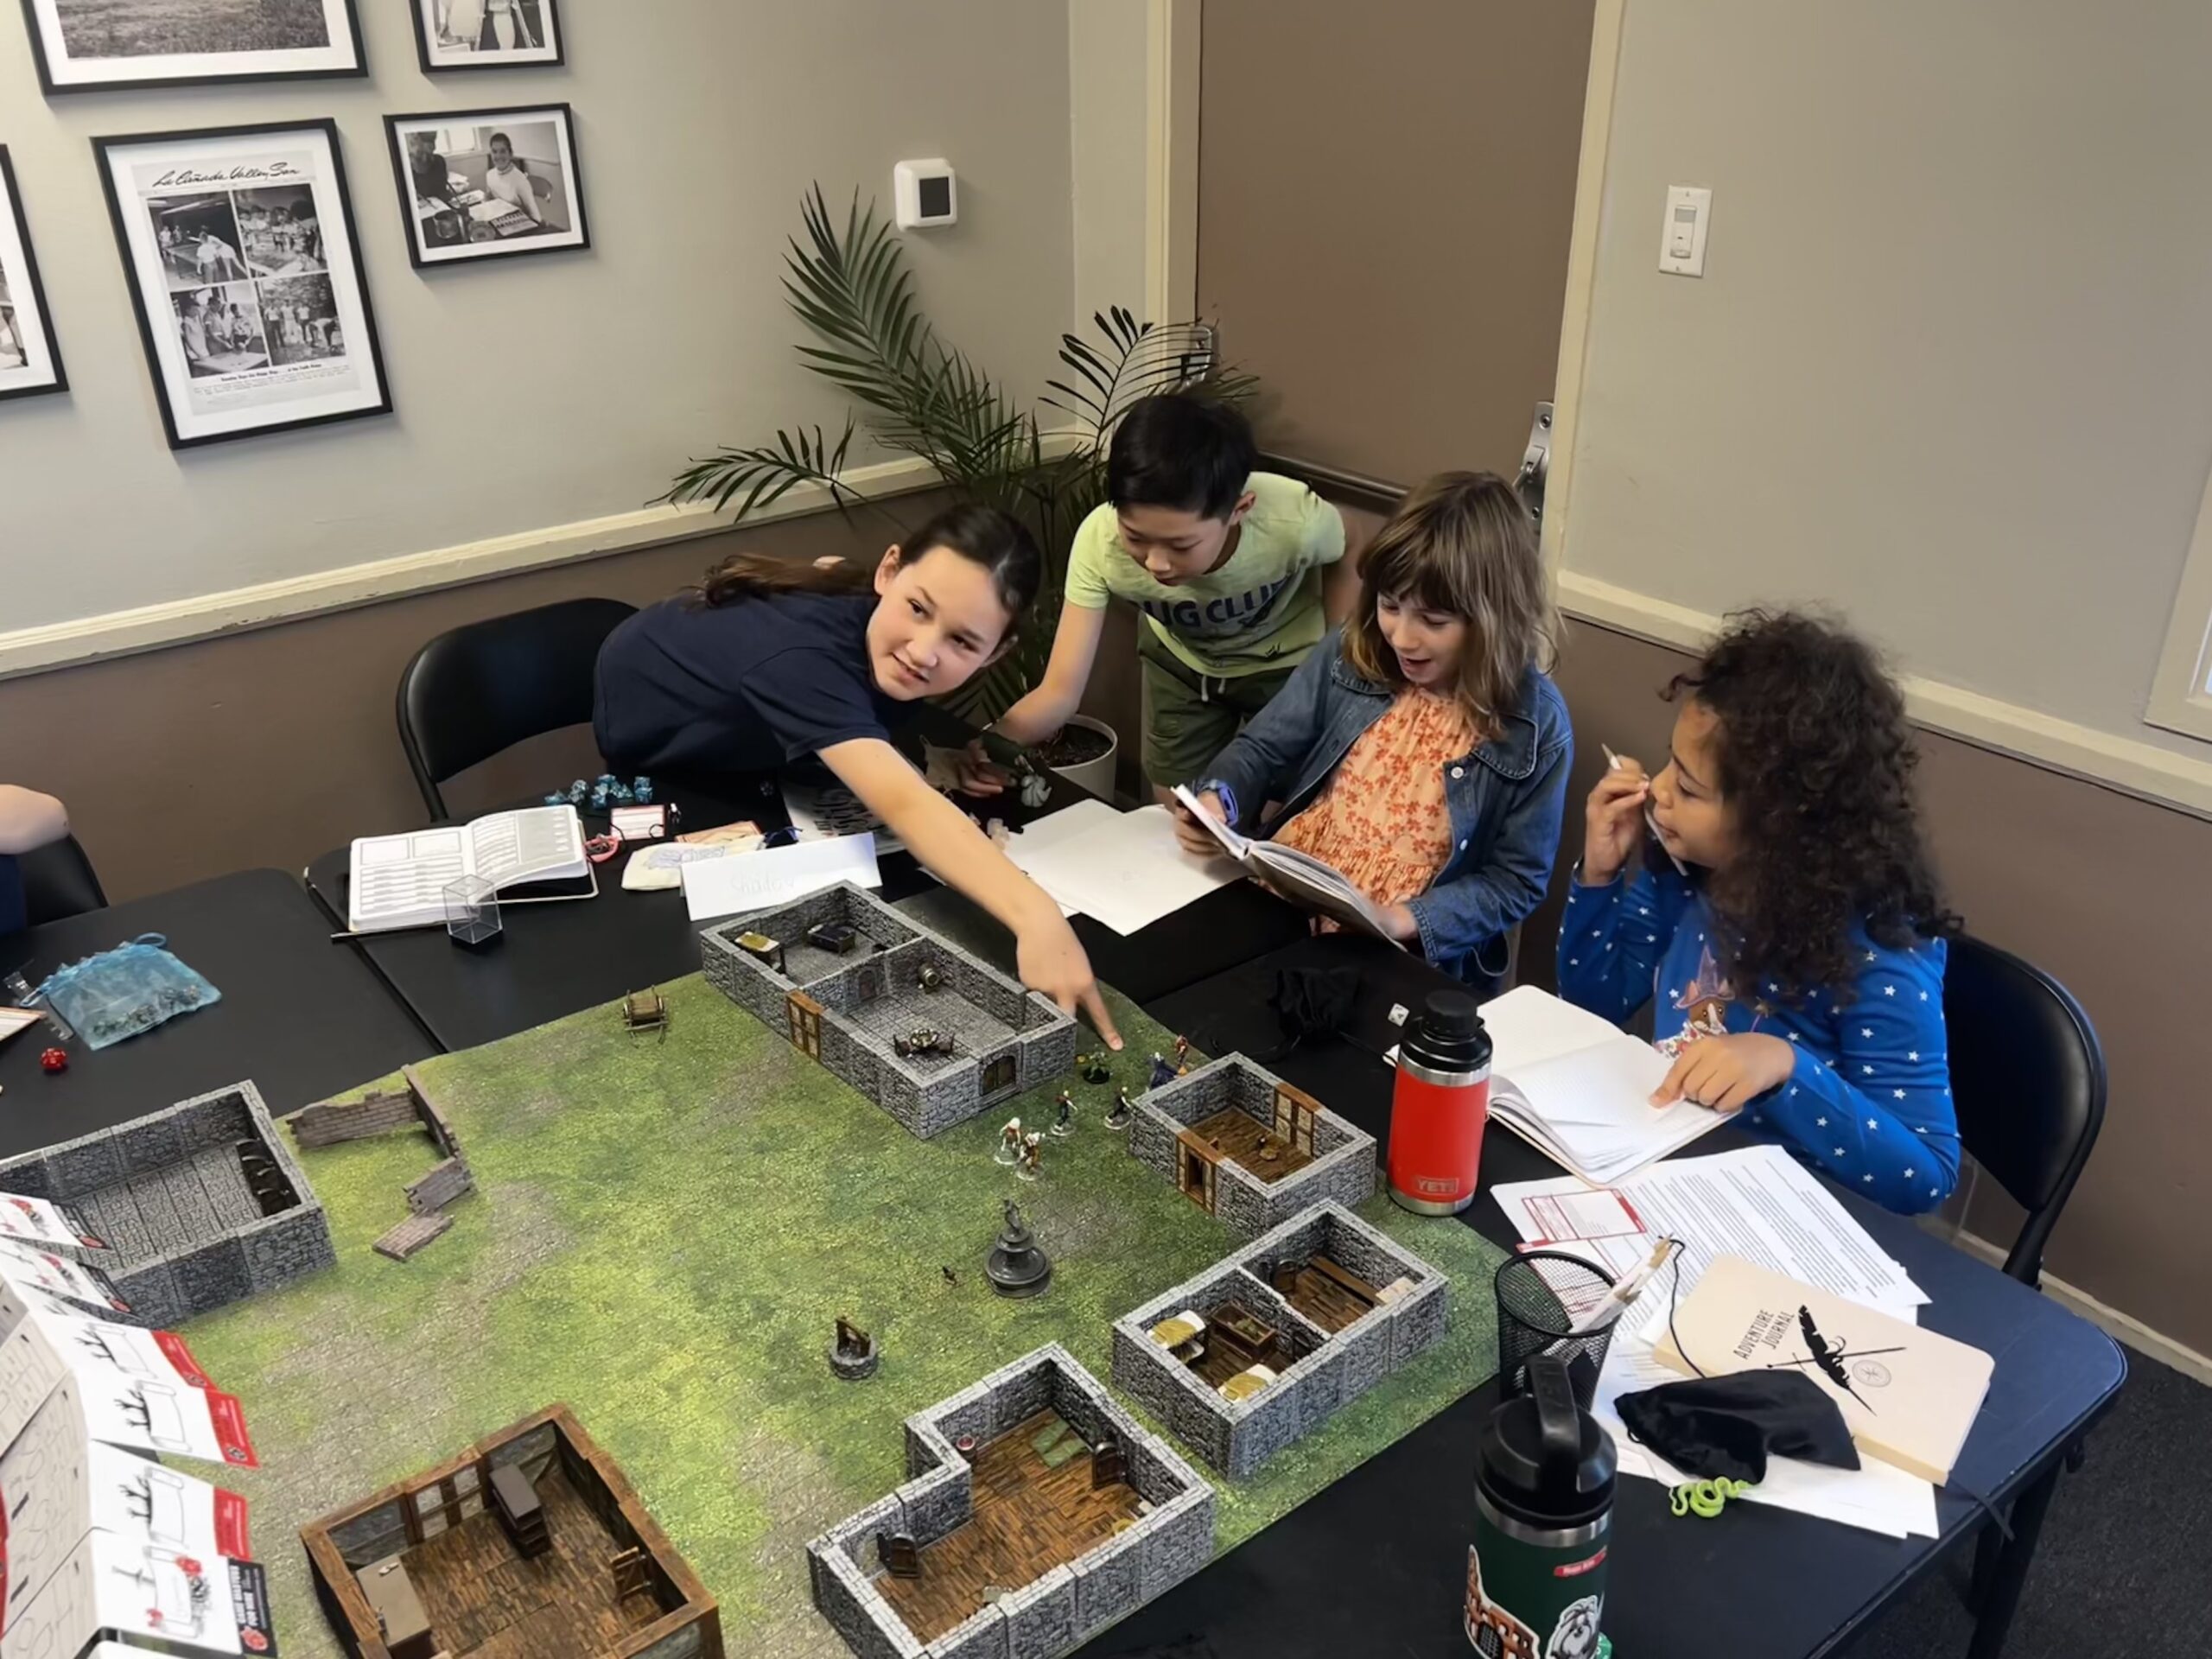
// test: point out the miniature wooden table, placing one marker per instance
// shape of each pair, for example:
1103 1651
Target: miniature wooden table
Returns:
392 1594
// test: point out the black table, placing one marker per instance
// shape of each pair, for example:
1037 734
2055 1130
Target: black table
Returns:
300 1017
557 958
1376 1563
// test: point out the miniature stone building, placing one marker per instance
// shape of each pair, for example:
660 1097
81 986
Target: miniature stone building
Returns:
1353 1307
1243 1145
1050 1606
174 1196
853 1010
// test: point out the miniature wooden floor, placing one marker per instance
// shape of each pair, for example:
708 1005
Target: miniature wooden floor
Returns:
1246 1141
1029 1518
1323 1300
485 1602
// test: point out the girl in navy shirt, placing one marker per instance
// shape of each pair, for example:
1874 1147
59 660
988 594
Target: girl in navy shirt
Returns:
1792 933
771 661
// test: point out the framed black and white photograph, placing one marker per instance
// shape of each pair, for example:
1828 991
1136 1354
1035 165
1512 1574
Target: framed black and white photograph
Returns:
480 184
486 33
246 275
30 360
89 45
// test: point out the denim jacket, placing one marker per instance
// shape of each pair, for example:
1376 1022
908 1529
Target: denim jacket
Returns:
1505 799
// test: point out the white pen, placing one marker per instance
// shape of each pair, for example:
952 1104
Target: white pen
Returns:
1616 1302
1651 822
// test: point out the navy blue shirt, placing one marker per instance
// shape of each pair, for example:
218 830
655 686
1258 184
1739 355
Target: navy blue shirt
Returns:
12 919
745 687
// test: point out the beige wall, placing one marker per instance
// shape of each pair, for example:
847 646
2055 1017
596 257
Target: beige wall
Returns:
1950 365
1385 193
537 392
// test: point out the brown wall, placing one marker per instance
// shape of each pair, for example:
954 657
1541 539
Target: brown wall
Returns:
272 746
2092 885
1385 191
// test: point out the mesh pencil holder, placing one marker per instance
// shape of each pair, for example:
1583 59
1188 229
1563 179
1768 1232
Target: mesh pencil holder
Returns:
1542 1294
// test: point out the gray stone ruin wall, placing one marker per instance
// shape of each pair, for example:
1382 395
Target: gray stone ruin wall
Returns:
1199 1094
1049 1617
1332 1371
169 1195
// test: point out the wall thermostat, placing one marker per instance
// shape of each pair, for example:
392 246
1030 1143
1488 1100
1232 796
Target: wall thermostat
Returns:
924 194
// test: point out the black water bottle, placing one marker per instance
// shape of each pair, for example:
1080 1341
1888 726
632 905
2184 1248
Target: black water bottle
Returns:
1543 1521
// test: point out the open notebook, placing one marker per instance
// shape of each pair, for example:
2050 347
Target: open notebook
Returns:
1578 1089
400 881
1302 879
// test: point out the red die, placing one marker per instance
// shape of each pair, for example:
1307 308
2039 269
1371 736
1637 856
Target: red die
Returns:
55 1060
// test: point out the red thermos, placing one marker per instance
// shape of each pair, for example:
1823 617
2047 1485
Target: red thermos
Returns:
1439 1106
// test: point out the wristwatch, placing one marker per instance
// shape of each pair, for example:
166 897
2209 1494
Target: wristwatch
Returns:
1215 786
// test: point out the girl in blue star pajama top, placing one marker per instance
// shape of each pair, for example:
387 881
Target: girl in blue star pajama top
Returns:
1789 934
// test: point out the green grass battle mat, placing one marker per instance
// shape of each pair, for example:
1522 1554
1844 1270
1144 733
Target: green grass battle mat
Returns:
662 1235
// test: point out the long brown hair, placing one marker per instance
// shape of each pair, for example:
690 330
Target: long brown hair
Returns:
981 535
1462 543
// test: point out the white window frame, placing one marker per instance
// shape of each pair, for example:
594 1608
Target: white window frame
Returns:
2179 701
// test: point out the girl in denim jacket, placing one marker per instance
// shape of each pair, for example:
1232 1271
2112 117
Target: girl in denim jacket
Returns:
1421 749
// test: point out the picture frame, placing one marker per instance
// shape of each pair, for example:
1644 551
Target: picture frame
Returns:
82 46
246 275
31 359
487 184
465 34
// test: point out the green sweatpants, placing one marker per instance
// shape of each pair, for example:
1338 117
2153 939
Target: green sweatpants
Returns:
1188 717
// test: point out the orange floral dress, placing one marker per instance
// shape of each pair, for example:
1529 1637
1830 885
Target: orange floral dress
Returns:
1383 818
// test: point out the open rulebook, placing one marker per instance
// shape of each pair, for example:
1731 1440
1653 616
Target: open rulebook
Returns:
1578 1089
400 881
1299 877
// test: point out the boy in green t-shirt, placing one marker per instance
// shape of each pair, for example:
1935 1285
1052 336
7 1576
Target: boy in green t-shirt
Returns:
1225 562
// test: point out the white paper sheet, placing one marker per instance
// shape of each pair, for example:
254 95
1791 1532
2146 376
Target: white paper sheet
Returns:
1027 847
1128 873
723 887
1756 1202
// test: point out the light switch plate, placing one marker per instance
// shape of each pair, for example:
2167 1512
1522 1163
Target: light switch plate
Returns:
1682 233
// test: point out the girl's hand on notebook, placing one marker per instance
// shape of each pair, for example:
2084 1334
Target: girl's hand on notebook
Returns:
1725 1072
1191 836
1613 822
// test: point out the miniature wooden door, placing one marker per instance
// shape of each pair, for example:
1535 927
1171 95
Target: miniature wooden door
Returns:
1195 1175
999 1074
805 1015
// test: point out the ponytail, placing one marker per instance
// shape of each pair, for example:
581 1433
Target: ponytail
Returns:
983 536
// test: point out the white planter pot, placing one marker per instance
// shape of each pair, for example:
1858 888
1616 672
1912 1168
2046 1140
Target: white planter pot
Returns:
1096 776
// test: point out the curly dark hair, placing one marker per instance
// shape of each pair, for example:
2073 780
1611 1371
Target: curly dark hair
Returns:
1816 762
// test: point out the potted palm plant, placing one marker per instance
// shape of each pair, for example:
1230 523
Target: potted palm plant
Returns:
915 395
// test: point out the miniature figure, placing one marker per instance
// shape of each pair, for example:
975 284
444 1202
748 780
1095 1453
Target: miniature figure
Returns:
922 1039
1093 1067
852 1355
930 979
1016 1267
645 1010
1182 1057
762 948
1009 1148
1162 1072
1032 1156
1063 1125
1117 1116
836 937
950 1277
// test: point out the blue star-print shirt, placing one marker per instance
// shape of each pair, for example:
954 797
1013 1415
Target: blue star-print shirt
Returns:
1870 1100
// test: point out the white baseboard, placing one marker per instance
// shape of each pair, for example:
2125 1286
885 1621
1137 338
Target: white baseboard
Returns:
2120 1327
2124 764
147 628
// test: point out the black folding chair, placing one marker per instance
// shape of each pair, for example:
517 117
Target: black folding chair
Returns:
58 881
484 687
2028 1080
